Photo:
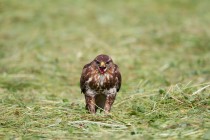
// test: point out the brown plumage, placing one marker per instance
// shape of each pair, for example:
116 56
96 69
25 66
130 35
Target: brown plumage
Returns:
100 81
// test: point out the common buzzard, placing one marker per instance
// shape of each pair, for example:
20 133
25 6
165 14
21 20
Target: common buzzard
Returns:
100 81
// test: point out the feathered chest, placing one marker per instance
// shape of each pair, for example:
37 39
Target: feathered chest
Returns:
99 82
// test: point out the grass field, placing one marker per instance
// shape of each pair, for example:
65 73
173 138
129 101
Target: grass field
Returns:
162 48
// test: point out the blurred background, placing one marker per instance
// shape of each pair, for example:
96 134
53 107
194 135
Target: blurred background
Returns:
158 42
45 44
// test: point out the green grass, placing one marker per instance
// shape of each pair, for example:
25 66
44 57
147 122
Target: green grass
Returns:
162 48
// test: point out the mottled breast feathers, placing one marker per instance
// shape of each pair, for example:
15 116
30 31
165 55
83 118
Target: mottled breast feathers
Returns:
91 78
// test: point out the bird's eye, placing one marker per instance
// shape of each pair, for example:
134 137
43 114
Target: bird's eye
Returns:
108 62
97 62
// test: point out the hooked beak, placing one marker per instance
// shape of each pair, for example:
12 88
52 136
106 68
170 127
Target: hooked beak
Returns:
102 67
102 64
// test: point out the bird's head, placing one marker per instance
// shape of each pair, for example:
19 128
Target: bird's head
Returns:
103 63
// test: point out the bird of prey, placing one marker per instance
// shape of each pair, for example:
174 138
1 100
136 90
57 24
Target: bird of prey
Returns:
100 81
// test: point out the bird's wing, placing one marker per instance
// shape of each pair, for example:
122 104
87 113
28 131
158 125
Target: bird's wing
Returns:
118 76
84 78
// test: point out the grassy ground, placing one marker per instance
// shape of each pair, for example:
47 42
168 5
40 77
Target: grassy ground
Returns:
162 48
